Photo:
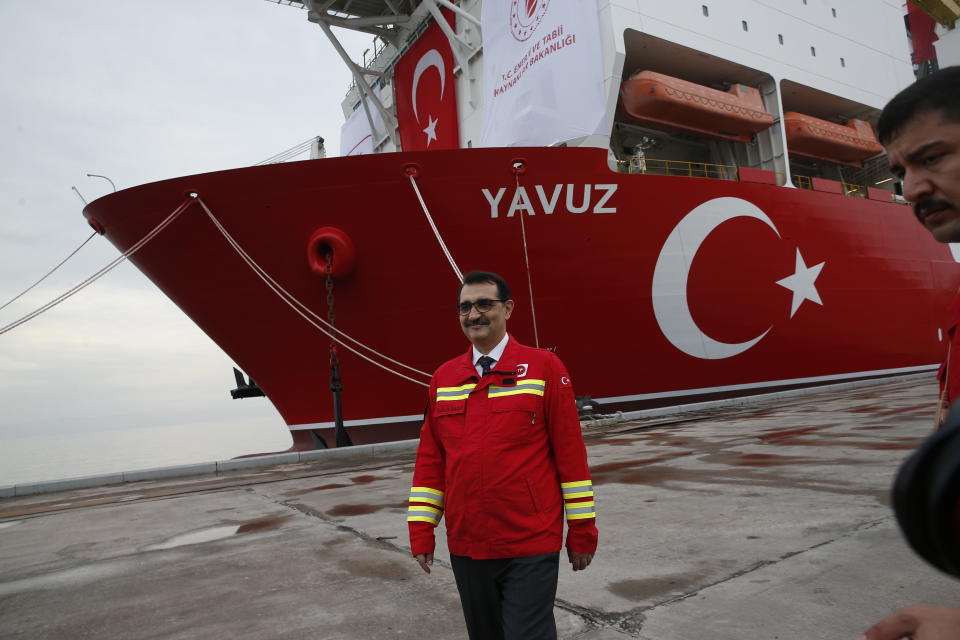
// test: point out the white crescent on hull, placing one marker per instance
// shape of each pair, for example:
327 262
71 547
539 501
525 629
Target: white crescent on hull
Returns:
670 276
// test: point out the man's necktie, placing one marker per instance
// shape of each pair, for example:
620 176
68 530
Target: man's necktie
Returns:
485 363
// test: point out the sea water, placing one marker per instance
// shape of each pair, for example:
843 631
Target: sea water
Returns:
26 459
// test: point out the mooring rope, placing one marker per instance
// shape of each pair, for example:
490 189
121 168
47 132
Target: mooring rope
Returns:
72 253
443 246
526 262
102 272
284 295
305 312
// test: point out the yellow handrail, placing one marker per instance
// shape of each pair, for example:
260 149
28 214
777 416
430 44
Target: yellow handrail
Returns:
850 189
679 168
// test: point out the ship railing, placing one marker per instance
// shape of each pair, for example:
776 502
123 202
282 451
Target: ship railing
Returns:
803 182
849 188
653 166
368 63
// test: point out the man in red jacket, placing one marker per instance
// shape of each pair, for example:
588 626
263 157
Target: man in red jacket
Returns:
502 457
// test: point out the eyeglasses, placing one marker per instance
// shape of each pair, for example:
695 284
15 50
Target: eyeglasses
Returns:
483 305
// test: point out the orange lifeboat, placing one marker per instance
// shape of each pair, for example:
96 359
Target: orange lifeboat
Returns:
848 144
660 101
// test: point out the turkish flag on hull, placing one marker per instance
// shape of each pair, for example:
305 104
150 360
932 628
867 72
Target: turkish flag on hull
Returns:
426 93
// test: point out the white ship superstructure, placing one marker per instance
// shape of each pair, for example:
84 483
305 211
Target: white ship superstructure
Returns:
834 61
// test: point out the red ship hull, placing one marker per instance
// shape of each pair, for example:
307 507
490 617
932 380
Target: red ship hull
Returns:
614 288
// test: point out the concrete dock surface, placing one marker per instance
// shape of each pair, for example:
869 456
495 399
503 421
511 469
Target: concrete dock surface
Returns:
766 522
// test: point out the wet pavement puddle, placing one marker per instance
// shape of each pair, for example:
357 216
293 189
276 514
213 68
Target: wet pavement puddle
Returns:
196 537
647 588
218 533
362 509
322 487
265 524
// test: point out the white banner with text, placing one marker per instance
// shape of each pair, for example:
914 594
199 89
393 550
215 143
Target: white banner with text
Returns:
543 72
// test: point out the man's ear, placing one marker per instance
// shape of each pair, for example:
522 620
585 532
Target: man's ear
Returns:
507 309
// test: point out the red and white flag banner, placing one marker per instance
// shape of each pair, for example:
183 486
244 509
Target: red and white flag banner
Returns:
543 72
923 33
356 138
426 92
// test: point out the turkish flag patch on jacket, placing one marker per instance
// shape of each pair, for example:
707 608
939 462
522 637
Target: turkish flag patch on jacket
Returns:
426 92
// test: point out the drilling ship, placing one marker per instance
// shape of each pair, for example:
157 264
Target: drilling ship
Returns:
688 199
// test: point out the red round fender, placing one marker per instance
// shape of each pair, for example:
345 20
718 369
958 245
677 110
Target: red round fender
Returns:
331 240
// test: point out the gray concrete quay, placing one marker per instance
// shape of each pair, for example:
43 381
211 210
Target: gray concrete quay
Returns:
764 522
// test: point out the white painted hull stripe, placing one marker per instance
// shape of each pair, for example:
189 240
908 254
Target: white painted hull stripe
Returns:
772 383
357 423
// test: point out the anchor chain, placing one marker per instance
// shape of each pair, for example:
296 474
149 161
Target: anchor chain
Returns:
331 313
336 383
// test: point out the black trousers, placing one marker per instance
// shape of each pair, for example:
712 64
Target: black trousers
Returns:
509 598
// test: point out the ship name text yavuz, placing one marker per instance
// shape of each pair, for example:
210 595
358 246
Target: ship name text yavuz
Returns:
540 199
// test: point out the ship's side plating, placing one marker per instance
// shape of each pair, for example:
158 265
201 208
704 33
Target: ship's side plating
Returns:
651 287
865 281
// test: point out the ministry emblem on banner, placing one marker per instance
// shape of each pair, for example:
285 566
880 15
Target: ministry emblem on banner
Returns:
525 17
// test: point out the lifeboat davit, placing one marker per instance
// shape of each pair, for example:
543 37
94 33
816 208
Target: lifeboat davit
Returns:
660 101
848 144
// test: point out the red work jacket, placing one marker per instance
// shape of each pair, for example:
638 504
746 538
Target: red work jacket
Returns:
502 458
949 374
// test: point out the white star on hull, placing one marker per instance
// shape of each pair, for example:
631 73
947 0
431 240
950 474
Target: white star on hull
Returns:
431 130
801 283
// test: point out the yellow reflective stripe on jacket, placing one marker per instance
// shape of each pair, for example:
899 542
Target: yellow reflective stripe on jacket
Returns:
455 393
426 494
579 489
578 510
532 387
423 513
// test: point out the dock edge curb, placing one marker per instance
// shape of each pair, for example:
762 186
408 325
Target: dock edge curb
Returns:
371 452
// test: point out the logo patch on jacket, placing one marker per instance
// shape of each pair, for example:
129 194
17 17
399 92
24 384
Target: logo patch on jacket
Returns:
521 370
564 381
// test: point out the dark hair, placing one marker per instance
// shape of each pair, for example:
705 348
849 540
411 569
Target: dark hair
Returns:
479 277
939 91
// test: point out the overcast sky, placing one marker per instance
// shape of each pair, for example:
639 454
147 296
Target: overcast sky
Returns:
138 93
